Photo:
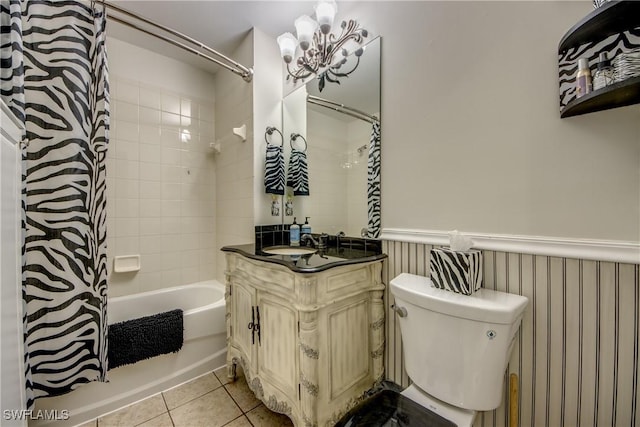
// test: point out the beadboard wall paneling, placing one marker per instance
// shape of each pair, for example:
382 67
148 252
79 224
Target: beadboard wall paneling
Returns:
576 354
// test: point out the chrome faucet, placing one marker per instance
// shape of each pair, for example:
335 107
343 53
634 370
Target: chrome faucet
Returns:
319 244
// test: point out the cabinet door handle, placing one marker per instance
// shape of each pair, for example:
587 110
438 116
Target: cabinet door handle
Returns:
256 327
251 325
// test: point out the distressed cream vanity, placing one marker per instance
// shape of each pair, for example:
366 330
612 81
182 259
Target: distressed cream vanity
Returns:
307 331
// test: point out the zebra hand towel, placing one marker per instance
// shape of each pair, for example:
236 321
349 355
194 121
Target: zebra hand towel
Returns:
274 170
298 174
134 340
456 271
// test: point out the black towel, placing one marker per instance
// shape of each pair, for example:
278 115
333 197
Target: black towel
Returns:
138 339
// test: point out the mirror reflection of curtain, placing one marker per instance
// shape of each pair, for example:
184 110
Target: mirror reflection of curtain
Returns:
373 182
63 76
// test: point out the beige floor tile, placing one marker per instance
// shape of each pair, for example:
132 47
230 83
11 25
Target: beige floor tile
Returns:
215 408
92 423
135 414
163 420
184 393
242 394
239 422
263 417
221 374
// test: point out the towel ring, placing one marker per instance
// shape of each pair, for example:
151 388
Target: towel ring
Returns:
269 131
295 136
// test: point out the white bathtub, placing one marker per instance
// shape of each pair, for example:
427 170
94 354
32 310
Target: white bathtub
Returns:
204 350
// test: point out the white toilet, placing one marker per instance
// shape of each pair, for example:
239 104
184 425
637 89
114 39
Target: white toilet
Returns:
456 347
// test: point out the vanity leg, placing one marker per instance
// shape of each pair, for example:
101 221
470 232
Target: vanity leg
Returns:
231 371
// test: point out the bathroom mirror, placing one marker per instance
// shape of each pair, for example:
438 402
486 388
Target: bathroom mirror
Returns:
337 124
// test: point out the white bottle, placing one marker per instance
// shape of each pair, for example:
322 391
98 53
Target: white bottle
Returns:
583 78
294 233
306 227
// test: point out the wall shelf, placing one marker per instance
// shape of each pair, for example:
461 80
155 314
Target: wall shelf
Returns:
615 18
611 18
619 94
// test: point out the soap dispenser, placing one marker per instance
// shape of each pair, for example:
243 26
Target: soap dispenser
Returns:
306 227
294 233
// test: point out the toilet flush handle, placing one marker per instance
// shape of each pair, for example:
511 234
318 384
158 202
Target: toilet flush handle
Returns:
401 311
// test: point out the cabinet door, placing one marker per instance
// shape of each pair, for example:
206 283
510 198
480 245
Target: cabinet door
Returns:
242 302
278 347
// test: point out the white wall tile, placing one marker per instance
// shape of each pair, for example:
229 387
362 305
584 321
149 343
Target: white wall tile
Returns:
170 103
151 208
150 116
150 171
127 91
127 131
150 134
150 97
151 153
147 168
126 111
149 226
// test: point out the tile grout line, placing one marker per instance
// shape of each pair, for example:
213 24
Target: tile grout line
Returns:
168 410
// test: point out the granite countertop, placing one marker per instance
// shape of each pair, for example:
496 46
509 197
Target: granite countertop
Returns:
316 262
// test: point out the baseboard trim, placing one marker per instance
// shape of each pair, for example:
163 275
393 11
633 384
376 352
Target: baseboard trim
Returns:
599 250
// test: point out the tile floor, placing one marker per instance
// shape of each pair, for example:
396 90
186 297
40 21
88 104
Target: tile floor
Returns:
207 401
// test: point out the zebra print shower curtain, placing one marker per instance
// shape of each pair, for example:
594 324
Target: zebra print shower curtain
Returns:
66 115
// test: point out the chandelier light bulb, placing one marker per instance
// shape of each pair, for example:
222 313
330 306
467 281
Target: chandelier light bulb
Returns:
287 43
305 27
325 13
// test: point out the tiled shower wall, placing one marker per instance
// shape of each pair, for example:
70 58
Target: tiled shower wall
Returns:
576 355
234 163
161 186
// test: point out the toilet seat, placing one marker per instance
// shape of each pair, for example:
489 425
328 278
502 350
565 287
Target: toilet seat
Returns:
458 416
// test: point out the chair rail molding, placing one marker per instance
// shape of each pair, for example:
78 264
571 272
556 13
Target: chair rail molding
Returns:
588 249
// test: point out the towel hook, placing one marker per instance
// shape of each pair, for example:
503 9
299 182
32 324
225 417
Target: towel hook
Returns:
295 136
269 131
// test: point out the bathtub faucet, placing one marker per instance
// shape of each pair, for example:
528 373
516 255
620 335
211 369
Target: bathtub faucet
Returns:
319 244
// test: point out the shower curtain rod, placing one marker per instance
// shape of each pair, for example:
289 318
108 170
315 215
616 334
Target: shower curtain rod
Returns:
341 108
220 59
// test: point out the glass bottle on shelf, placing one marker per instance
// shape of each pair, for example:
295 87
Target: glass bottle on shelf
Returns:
604 74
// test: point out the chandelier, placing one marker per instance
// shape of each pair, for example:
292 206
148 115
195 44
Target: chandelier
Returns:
323 53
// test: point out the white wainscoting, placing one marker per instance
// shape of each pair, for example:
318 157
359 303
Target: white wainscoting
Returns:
577 352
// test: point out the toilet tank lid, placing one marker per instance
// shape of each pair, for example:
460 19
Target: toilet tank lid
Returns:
485 305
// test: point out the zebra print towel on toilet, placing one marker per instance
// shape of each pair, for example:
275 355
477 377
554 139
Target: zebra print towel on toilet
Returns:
459 272
274 170
298 176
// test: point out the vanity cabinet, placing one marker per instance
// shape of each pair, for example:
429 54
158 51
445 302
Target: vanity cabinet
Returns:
612 28
310 344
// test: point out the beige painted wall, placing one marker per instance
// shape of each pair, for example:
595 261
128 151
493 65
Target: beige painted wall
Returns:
471 134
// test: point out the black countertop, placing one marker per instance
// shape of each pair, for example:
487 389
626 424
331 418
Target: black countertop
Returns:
316 262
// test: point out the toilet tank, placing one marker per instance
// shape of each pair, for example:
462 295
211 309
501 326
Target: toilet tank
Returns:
456 347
